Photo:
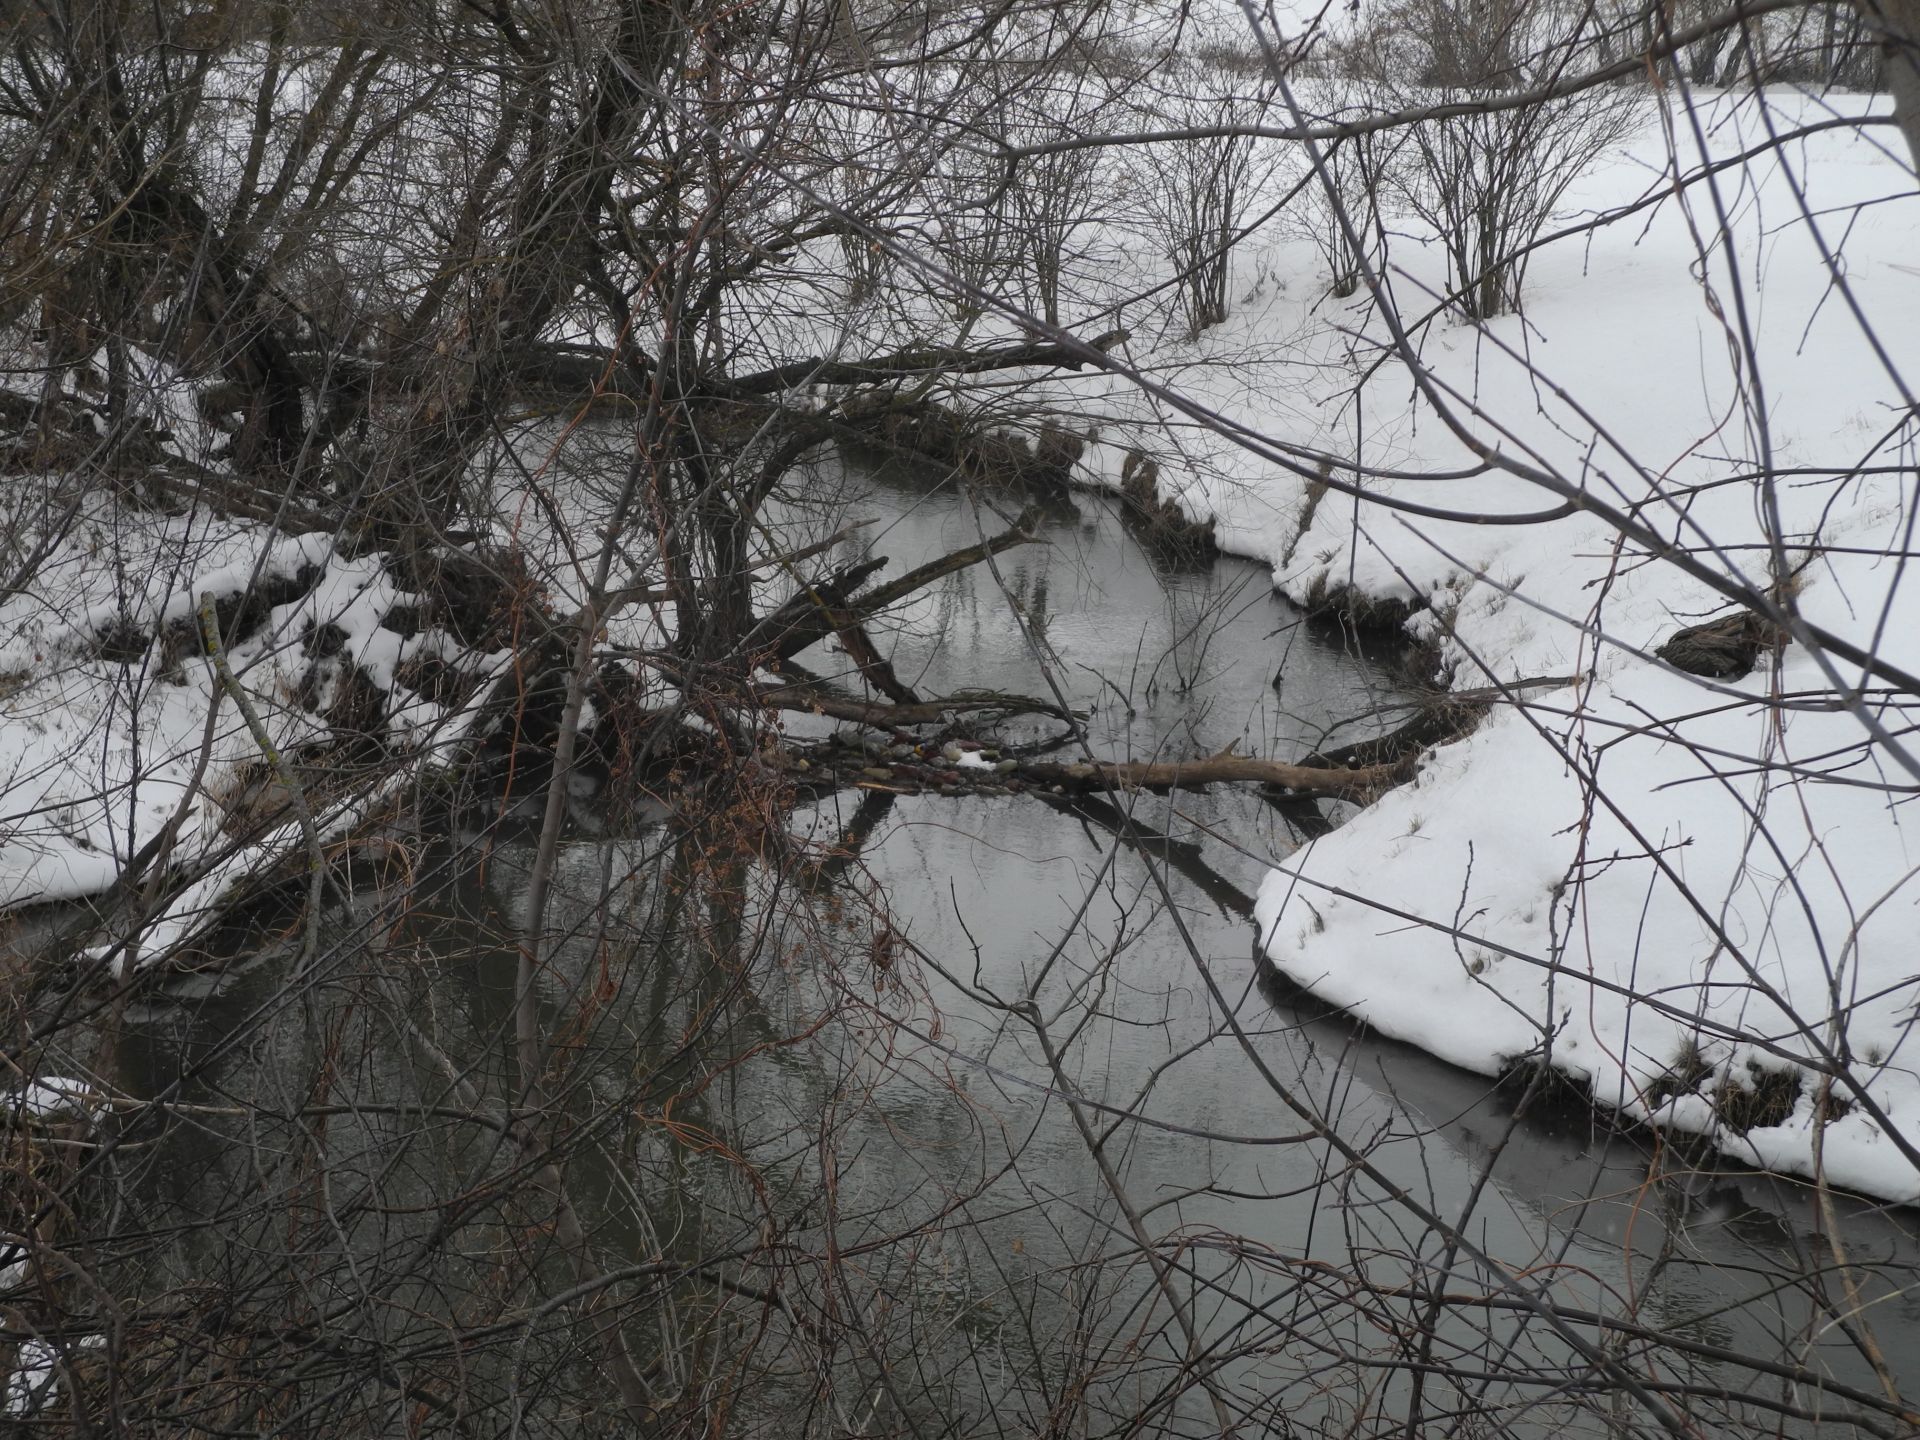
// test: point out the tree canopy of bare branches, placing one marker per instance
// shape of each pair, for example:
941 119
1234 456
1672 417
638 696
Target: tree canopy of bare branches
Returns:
603 833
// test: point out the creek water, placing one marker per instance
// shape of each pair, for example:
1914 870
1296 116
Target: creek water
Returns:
894 1138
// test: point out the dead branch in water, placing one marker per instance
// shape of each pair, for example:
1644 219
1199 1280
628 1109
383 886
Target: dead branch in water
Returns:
1226 768
894 717
944 768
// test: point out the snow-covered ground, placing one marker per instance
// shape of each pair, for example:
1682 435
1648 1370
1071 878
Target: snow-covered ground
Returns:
116 731
1673 889
1691 896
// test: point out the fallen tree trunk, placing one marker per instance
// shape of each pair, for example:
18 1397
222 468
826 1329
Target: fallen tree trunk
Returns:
911 769
896 717
921 361
1360 785
1360 772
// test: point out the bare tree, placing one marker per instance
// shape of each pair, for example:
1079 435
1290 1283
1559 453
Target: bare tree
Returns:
1199 192
1361 172
1488 180
527 915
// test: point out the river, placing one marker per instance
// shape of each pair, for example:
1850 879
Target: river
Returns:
848 1090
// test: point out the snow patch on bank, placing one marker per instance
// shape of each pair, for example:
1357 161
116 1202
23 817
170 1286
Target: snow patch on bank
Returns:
1696 898
117 736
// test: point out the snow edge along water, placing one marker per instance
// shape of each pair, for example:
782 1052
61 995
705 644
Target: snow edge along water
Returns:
1693 899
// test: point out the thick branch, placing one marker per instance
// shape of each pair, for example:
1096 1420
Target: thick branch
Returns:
875 668
1079 777
949 770
899 717
881 596
906 364
821 610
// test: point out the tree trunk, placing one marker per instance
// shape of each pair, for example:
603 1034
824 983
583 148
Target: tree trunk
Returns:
1896 25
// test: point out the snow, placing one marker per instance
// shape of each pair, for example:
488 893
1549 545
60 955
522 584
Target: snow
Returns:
31 1381
1626 877
101 753
104 749
48 1095
1695 898
1618 876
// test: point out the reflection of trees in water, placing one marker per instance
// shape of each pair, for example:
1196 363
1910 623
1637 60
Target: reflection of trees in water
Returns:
815 1138
809 1091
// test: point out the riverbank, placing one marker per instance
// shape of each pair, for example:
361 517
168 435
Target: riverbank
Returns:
1691 895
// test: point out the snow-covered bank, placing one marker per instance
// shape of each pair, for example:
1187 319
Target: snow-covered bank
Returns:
1676 888
1694 896
118 738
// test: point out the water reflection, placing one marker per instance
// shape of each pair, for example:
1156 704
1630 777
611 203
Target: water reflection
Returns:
922 1077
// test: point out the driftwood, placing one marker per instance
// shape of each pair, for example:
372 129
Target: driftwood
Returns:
906 769
895 717
1225 768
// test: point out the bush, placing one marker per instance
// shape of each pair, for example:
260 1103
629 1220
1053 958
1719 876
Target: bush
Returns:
1487 181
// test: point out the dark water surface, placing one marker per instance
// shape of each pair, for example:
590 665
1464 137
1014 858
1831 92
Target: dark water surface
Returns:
896 1087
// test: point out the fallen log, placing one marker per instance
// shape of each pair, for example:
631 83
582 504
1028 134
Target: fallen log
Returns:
1359 785
933 360
812 614
908 767
896 717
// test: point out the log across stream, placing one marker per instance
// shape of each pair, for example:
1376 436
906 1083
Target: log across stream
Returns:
1198 664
